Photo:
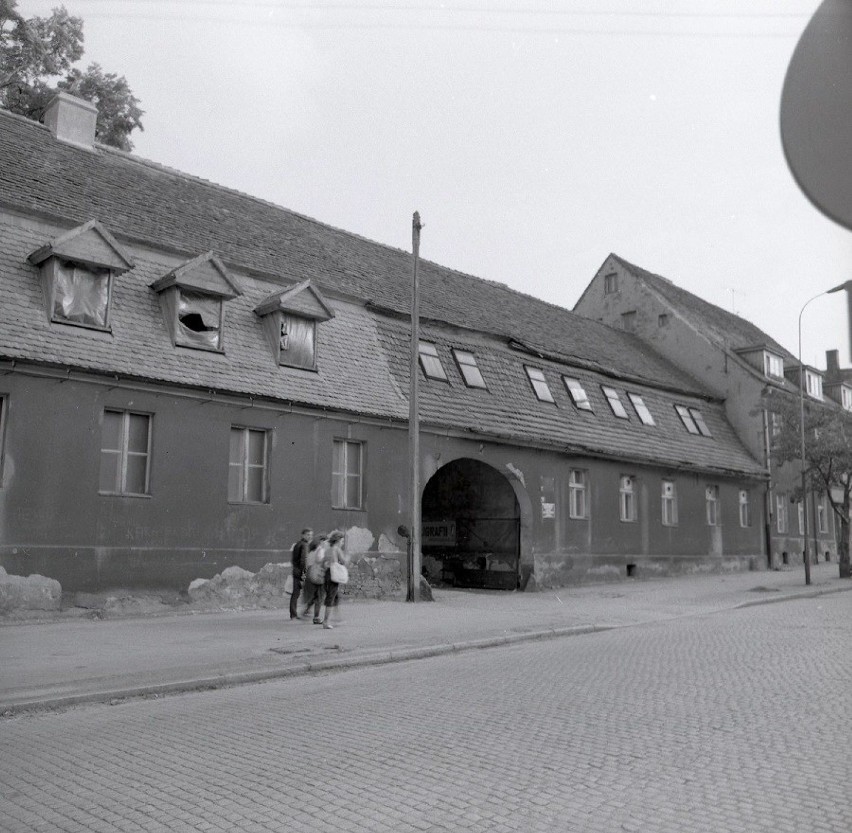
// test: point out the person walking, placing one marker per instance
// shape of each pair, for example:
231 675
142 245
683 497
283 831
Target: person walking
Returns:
298 564
315 577
335 559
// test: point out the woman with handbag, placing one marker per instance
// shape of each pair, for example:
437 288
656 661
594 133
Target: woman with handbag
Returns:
315 574
335 562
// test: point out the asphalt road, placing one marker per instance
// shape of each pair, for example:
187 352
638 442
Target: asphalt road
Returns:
738 721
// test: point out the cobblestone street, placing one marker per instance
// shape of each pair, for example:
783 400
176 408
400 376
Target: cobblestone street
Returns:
728 722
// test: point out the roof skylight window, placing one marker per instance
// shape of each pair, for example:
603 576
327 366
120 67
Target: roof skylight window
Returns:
430 362
578 394
615 403
693 420
469 370
539 384
641 409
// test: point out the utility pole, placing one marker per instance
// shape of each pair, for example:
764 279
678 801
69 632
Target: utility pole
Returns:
413 594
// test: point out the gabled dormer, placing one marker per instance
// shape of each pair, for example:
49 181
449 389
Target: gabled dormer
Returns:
76 271
290 322
191 298
806 377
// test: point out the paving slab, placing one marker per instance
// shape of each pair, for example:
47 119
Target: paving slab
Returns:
61 661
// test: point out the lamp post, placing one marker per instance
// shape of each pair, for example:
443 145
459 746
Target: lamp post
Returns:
848 287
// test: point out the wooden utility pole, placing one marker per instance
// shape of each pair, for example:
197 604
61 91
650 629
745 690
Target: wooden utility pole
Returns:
414 425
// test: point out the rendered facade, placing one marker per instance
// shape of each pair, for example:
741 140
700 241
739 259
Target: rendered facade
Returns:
189 375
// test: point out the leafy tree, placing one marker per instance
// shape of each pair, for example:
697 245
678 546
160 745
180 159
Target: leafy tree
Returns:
35 52
828 456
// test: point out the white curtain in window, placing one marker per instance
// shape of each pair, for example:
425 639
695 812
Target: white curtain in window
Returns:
81 295
299 332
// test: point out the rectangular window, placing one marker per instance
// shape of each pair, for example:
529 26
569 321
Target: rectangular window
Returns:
469 369
822 516
125 453
641 409
297 341
615 403
610 283
773 366
775 423
627 498
669 503
199 320
745 509
81 295
813 384
800 511
577 504
781 513
248 467
662 319
539 384
698 419
577 393
628 321
430 362
347 466
711 496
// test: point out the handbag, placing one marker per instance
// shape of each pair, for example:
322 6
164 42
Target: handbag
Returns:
339 573
288 585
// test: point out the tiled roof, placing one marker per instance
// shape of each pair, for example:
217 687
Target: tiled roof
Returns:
144 202
719 325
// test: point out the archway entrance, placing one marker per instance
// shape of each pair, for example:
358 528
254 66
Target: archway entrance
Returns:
471 527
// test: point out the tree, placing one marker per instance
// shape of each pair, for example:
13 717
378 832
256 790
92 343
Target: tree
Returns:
828 457
35 51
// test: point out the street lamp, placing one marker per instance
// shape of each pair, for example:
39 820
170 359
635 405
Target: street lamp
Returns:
848 287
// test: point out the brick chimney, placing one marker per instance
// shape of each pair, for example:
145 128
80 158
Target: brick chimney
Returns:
832 365
72 120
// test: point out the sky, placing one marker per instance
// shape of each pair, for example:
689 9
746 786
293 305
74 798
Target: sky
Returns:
534 138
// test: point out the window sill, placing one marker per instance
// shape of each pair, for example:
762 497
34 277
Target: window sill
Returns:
124 494
96 327
349 508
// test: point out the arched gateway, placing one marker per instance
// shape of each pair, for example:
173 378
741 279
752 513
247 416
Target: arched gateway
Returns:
471 527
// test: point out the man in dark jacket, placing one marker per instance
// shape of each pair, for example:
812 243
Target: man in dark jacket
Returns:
300 554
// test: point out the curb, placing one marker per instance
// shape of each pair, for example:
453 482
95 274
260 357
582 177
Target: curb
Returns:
384 657
790 597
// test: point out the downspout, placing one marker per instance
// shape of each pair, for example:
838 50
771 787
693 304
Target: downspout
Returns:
767 491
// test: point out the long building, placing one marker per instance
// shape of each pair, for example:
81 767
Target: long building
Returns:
189 375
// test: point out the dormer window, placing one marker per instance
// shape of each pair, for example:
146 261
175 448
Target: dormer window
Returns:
773 366
290 321
813 384
191 299
76 275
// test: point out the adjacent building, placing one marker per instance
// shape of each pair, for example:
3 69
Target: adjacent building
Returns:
740 364
190 375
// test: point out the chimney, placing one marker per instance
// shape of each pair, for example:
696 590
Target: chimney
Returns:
72 120
832 364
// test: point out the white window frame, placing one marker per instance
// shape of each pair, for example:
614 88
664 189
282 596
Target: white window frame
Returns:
781 524
822 516
711 498
578 493
539 384
469 369
615 403
627 498
351 469
430 361
245 465
645 416
124 452
800 511
577 393
773 365
813 384
846 397
668 503
745 508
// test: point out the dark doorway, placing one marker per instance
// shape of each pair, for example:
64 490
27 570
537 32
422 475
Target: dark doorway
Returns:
471 527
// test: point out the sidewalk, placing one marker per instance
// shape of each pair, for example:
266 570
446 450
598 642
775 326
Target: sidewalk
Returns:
61 662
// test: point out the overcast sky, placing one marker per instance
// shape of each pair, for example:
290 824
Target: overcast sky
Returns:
534 138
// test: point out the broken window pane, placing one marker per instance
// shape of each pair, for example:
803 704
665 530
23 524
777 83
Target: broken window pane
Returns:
80 296
199 318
